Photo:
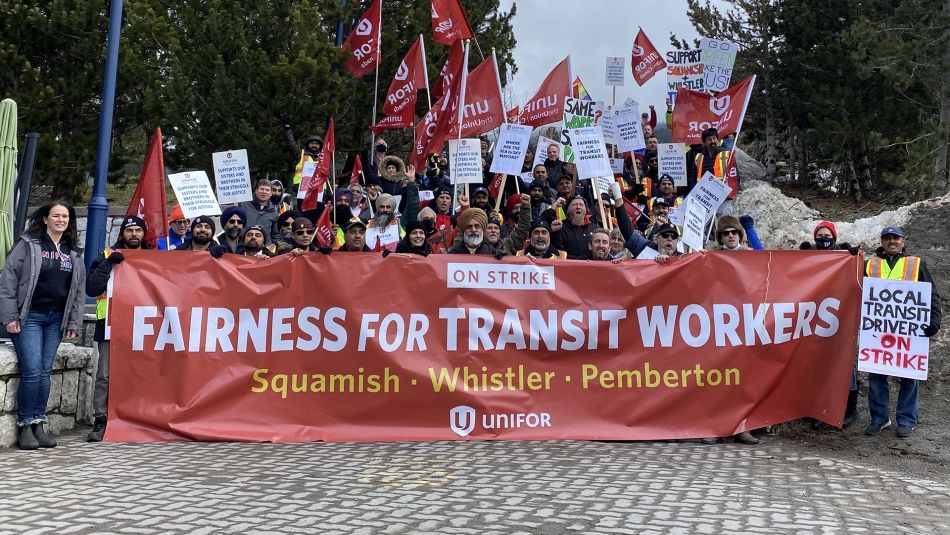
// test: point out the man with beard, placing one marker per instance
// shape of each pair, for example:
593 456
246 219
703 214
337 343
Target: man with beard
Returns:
517 235
540 242
481 199
538 190
665 238
354 237
472 224
442 206
715 159
576 232
600 244
202 236
385 211
131 236
233 220
254 243
277 196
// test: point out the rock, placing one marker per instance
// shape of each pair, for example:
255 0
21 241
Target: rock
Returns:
8 361
749 169
76 357
781 222
70 392
7 430
3 392
55 392
9 399
59 423
84 401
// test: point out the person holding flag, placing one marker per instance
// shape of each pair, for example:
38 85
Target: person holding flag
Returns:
716 160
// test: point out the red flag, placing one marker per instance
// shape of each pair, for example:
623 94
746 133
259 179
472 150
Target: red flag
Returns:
323 234
410 77
645 60
512 114
547 105
357 171
424 133
696 111
484 109
379 246
436 126
449 23
401 120
362 46
452 66
495 187
148 201
314 185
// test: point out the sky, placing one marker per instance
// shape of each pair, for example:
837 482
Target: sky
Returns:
590 31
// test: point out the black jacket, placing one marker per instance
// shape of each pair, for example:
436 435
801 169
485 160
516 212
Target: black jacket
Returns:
98 280
484 248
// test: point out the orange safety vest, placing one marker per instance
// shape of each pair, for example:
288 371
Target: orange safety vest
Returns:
720 166
676 203
907 268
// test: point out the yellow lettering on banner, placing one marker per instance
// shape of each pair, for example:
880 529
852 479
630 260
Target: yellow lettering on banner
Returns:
510 378
649 377
317 383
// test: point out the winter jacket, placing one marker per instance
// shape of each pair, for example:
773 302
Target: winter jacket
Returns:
483 249
98 281
515 240
172 241
394 184
923 275
19 278
575 239
222 240
263 216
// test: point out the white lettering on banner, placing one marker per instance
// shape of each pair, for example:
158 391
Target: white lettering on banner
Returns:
893 316
718 57
591 155
500 277
465 161
672 161
194 194
510 149
463 419
232 176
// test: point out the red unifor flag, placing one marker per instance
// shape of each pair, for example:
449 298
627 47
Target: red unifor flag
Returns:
148 201
449 23
323 229
411 76
645 60
449 115
424 132
362 46
547 105
484 109
696 111
322 171
495 187
512 114
447 74
401 120
357 173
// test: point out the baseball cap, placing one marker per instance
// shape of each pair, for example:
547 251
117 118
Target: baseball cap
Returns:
892 230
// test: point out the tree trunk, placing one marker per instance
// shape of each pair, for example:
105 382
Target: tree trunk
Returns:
855 181
792 141
803 175
865 169
941 183
771 153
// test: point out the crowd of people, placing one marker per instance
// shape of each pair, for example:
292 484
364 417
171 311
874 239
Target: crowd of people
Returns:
545 213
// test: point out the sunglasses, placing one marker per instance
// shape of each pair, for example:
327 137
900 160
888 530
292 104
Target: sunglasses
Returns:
669 236
729 232
303 232
235 222
180 222
288 223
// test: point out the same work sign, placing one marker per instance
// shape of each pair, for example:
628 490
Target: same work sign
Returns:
893 316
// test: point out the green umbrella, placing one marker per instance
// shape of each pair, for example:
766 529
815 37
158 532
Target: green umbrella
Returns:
8 122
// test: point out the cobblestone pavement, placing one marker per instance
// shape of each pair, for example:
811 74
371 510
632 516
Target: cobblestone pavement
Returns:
456 488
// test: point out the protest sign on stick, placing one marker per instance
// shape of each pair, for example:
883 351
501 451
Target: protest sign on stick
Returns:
591 153
629 129
615 71
893 316
232 176
718 58
194 194
672 161
510 149
466 158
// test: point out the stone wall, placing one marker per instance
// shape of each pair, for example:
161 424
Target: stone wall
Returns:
70 399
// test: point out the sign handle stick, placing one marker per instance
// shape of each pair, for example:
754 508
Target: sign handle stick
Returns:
517 184
613 101
333 183
600 204
501 192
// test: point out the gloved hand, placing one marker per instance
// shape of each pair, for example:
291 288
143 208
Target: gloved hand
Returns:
854 251
499 254
386 253
116 258
217 251
806 245
746 221
930 330
325 249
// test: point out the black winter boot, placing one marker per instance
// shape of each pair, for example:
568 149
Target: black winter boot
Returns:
25 439
39 431
98 430
850 410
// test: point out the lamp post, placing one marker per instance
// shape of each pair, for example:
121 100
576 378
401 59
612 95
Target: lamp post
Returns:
98 206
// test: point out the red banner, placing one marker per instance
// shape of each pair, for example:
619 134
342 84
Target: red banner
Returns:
547 105
453 346
452 66
362 46
401 120
696 111
410 77
484 108
449 23
645 60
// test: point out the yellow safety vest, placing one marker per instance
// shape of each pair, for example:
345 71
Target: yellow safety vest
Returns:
907 268
102 302
298 171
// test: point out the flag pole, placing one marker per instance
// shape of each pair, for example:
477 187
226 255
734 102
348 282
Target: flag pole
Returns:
333 178
461 110
425 65
379 58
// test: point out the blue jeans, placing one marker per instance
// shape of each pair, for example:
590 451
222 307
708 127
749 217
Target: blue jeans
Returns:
879 395
36 346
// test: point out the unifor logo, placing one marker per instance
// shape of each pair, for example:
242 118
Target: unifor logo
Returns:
403 71
638 50
462 420
364 27
719 105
